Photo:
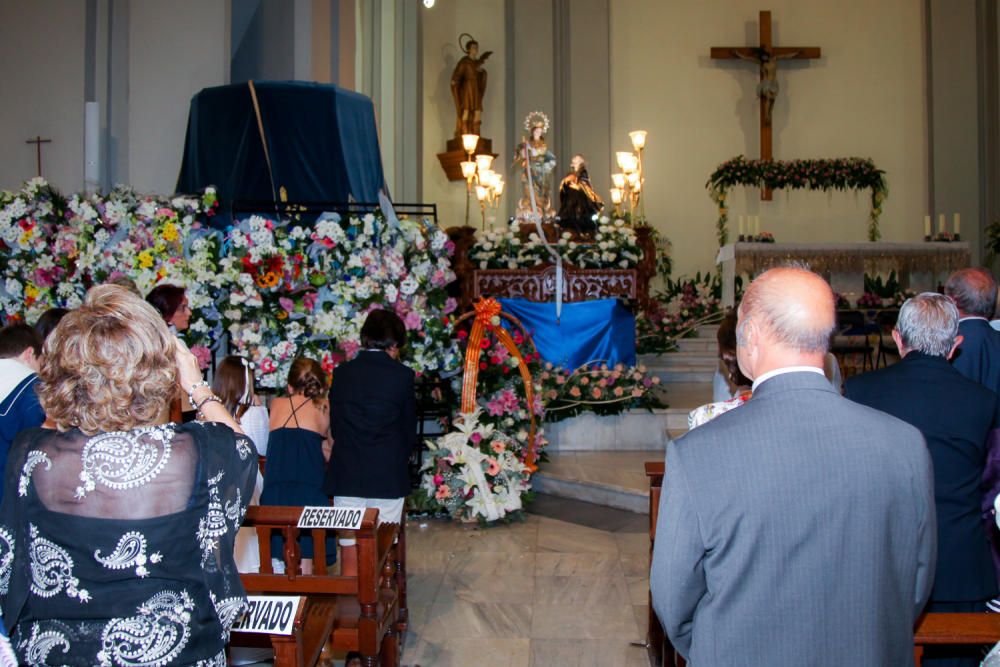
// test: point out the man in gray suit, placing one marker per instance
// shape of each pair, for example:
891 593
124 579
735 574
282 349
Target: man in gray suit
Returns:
799 528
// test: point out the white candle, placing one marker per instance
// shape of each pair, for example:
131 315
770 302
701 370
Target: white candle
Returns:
756 225
927 225
958 224
941 224
741 225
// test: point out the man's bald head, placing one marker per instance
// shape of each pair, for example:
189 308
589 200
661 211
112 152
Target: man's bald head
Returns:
792 308
974 291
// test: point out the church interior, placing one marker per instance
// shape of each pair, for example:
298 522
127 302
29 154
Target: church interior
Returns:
564 202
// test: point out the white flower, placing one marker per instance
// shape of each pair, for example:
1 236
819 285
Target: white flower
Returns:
391 293
408 286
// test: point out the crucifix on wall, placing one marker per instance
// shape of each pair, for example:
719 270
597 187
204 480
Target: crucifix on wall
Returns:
766 56
38 141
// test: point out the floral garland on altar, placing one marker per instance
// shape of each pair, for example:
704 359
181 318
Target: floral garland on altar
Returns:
614 246
835 174
54 249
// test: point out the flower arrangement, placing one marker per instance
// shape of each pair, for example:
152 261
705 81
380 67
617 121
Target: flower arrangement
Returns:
841 301
835 174
763 237
614 246
945 237
899 298
598 388
297 291
55 249
869 300
677 312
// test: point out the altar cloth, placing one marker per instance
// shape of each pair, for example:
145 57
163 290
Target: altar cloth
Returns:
598 330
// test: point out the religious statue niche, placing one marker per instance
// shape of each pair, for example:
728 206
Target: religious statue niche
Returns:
579 204
468 87
535 153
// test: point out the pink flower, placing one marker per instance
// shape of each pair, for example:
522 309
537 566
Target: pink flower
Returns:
267 365
503 403
166 212
596 393
619 391
442 492
575 392
476 438
498 446
450 305
287 303
202 354
494 467
309 300
350 348
412 320
438 480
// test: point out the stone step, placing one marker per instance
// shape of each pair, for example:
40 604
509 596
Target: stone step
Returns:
599 493
686 375
613 479
697 345
634 430
678 359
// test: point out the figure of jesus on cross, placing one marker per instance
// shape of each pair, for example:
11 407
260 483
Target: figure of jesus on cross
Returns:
766 55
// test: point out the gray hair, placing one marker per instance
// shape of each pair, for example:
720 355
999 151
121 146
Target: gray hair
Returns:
928 323
974 291
791 320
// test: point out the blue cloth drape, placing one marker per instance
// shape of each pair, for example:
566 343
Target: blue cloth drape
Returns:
599 330
322 140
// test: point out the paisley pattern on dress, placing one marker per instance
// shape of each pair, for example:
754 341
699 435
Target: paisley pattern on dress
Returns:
131 550
52 569
213 525
218 660
36 648
243 447
153 637
235 510
228 610
6 559
33 459
125 459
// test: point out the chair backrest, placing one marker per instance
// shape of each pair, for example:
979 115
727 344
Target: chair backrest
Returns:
848 319
887 319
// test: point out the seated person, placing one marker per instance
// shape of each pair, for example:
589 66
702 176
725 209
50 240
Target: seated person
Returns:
20 353
374 425
297 451
117 529
735 384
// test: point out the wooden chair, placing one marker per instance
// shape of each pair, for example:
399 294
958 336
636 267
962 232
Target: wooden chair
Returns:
851 337
954 629
657 643
886 321
364 613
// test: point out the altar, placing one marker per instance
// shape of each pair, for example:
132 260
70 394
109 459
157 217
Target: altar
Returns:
919 266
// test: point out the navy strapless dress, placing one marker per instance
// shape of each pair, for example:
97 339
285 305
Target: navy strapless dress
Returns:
293 475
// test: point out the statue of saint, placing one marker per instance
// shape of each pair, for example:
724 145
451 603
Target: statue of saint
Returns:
542 161
768 87
579 205
468 84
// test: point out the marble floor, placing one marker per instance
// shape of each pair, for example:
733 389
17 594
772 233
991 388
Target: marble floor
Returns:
567 587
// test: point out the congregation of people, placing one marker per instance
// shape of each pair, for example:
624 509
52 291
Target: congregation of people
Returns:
807 523
127 476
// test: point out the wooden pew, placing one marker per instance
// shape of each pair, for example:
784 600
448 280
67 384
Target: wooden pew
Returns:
364 613
932 629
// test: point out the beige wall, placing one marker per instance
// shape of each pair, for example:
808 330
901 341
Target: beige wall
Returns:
484 19
864 98
42 75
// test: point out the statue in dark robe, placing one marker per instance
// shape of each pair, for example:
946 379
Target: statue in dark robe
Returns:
468 84
579 204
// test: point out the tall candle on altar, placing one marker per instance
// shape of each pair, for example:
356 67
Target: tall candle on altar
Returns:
927 225
958 225
741 225
941 224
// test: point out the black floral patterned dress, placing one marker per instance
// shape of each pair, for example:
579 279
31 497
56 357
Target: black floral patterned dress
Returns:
117 549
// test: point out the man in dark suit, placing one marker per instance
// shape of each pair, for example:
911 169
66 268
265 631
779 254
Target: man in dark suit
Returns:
797 529
974 291
956 416
373 421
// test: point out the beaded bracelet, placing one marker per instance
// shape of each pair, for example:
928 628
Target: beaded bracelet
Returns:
195 387
208 399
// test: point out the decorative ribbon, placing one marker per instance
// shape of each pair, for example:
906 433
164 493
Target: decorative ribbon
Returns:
263 141
487 315
537 218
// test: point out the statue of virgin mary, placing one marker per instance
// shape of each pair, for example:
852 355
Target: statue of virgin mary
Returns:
535 152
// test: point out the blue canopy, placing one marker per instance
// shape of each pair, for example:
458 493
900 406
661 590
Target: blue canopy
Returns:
322 142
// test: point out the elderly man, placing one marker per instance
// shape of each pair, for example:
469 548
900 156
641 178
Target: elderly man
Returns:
799 528
915 390
975 293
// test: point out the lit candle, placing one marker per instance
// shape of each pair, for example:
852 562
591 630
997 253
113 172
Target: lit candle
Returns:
927 225
741 225
958 225
941 224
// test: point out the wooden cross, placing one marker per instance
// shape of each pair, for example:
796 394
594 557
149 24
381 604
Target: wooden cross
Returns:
766 56
38 141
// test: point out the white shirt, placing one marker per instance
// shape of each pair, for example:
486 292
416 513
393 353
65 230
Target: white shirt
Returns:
12 373
972 317
788 369
256 425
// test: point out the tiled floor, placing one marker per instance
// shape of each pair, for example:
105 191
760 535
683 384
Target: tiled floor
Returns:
566 587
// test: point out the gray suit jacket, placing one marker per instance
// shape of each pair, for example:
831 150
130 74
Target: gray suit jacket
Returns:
797 529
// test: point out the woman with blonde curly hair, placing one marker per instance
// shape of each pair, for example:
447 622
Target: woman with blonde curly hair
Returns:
117 528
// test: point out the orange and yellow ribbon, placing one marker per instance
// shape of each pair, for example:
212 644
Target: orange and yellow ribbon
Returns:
487 315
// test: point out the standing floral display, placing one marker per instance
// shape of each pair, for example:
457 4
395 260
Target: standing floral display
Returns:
297 291
852 173
614 246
